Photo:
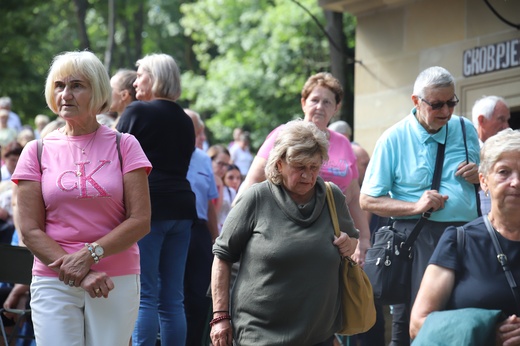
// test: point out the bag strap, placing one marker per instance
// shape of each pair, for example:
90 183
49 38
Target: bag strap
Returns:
436 182
332 209
476 186
460 243
118 146
334 217
502 259
39 149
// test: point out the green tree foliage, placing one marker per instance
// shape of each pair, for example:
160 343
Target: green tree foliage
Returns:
24 58
255 57
243 62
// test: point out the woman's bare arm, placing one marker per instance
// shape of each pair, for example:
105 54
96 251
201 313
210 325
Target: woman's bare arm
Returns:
436 287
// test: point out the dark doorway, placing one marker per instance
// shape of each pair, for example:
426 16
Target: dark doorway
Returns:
514 122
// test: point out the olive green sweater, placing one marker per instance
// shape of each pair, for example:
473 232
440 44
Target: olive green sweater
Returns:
287 289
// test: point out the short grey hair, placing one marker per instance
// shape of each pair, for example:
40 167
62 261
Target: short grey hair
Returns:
88 66
506 141
5 102
298 141
432 77
164 73
485 106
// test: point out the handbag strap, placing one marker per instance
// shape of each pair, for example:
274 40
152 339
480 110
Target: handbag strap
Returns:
332 209
476 186
436 182
460 243
334 217
502 259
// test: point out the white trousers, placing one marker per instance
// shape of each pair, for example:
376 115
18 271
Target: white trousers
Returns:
64 315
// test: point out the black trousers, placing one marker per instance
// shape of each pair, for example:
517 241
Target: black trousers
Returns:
197 279
422 251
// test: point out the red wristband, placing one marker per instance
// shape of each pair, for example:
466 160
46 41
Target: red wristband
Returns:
218 319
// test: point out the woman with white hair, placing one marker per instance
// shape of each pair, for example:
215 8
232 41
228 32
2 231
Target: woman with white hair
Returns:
82 205
167 136
475 278
286 290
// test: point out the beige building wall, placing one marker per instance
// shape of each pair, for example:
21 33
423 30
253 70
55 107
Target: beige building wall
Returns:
396 39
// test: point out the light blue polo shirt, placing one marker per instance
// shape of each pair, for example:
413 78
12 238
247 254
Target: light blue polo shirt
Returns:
202 181
403 163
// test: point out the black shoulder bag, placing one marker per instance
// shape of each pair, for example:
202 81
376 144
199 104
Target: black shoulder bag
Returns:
388 264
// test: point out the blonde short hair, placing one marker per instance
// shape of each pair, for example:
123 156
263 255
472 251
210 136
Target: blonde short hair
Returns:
297 142
506 141
164 73
41 120
82 64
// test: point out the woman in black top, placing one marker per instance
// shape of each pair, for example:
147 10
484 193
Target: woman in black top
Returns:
475 278
167 137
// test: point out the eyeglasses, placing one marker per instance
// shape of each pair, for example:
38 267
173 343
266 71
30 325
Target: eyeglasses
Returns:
222 164
439 105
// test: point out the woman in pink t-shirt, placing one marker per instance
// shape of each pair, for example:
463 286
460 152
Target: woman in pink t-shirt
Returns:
83 203
321 99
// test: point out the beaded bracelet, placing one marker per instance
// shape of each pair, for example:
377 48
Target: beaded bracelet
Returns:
218 319
92 253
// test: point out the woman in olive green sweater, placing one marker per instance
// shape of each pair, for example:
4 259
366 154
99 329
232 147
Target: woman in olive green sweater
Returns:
281 231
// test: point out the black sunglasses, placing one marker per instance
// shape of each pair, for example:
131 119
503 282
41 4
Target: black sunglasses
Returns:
439 105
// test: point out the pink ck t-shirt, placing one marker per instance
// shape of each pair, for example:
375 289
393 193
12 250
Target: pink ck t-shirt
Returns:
83 193
340 168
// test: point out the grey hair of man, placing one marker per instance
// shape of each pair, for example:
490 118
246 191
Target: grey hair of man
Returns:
164 73
433 77
506 141
485 106
5 102
83 64
297 142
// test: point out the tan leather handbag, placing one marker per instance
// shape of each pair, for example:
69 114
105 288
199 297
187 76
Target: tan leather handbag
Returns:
357 299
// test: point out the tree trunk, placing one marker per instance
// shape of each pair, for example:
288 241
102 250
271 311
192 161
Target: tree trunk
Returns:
111 34
138 31
341 67
81 12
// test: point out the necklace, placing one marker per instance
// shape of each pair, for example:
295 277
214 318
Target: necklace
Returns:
90 142
86 146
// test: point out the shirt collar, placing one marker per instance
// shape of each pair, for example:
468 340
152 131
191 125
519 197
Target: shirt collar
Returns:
423 135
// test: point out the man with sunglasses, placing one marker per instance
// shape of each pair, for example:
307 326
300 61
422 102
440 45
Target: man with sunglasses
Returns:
399 176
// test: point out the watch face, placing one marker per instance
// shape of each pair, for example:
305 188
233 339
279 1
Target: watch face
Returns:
98 250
